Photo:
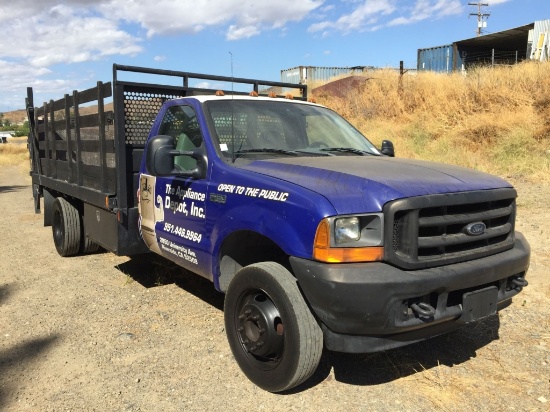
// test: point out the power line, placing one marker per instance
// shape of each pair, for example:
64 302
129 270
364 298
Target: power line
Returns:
481 17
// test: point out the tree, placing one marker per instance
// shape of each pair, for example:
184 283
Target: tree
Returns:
22 130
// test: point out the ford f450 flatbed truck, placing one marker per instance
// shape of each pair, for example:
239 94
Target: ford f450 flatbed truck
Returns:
316 237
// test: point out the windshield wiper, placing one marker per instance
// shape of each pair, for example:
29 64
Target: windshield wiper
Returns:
314 153
266 150
346 150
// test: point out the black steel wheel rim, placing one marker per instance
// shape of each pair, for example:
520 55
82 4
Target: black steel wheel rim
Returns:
58 229
260 329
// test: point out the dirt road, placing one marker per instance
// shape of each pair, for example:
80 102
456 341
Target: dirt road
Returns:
108 333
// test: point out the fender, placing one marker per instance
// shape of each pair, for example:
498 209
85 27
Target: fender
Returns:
279 224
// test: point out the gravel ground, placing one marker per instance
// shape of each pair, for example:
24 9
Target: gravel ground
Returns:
108 333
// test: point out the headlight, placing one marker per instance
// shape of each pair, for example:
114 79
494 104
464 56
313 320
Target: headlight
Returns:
357 238
346 230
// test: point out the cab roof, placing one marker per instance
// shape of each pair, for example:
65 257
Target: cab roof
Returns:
207 98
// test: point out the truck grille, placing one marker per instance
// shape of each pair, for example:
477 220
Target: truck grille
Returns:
438 230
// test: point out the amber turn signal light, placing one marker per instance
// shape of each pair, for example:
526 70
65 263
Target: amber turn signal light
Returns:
324 253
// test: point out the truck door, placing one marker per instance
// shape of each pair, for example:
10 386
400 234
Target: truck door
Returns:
179 205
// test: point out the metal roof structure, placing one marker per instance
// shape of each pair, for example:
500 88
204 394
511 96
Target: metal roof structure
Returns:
511 39
507 47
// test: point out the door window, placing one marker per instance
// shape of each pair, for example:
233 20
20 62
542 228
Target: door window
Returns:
181 123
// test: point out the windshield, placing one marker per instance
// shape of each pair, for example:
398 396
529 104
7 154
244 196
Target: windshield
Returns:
251 128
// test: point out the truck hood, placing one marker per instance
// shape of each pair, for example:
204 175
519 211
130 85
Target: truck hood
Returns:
364 184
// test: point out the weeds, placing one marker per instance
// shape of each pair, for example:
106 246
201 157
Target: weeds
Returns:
13 153
128 279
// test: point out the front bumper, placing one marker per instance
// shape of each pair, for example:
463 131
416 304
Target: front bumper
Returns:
366 307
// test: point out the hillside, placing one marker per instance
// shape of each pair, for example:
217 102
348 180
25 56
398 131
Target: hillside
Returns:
16 116
20 116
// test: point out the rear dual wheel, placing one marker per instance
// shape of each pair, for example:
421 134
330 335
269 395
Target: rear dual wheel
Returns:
86 244
66 227
271 331
68 230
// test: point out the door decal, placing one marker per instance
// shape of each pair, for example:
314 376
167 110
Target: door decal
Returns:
151 210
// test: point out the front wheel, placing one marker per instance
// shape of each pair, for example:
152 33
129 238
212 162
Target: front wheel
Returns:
271 331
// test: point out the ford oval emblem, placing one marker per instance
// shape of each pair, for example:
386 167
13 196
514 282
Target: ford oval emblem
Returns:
475 229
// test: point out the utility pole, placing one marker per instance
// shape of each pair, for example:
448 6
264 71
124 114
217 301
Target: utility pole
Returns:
481 17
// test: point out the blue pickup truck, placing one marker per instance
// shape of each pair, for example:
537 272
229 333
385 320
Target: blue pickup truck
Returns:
317 238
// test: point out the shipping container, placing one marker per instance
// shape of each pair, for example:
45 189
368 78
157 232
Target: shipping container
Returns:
439 59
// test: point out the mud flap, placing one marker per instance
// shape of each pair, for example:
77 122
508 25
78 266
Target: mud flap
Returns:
36 196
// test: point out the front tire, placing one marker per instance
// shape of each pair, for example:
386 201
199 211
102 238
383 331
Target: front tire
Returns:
65 227
271 331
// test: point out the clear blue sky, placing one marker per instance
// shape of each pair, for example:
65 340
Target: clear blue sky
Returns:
58 46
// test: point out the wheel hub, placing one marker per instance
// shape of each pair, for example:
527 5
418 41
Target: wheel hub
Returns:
260 327
57 228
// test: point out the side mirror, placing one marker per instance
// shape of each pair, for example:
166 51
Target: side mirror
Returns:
160 154
387 148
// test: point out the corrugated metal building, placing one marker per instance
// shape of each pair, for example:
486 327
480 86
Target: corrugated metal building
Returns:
506 47
305 74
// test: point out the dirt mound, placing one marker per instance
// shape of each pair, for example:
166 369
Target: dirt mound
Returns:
342 87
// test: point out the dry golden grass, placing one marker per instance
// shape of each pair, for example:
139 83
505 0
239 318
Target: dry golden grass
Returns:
14 153
492 119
